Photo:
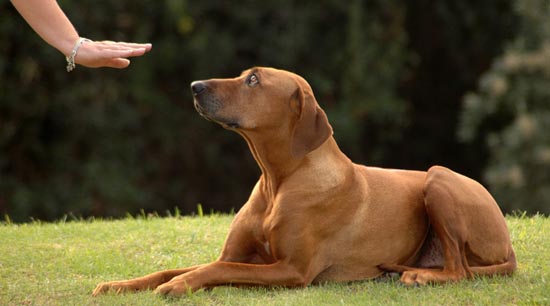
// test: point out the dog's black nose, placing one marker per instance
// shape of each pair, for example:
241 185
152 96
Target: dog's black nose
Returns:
197 87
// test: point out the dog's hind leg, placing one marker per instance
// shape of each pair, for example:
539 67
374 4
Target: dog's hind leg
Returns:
471 230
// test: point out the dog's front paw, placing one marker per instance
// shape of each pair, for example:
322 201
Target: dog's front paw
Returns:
102 288
180 285
173 288
117 287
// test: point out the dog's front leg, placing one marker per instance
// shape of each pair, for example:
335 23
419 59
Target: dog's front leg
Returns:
147 282
231 273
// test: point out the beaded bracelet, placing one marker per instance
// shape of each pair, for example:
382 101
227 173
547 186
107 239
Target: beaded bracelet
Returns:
70 59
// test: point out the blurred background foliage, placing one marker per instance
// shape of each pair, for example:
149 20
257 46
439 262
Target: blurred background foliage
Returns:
391 74
511 114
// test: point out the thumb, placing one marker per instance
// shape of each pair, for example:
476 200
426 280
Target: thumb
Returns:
118 63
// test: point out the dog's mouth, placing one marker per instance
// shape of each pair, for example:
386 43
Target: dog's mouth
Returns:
206 113
231 125
201 111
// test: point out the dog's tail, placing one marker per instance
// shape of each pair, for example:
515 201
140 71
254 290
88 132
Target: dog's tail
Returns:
506 268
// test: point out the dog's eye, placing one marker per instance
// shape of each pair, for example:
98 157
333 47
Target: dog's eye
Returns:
253 80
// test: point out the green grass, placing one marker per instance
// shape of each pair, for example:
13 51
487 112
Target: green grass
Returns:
60 264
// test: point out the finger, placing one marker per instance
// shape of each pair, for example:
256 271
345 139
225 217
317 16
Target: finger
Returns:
136 52
124 52
119 63
146 46
121 53
124 45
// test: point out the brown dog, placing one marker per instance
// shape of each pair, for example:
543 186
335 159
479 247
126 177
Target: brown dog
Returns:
315 216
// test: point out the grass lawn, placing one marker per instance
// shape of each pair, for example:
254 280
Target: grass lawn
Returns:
60 264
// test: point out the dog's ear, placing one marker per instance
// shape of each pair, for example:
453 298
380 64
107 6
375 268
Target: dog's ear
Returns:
312 127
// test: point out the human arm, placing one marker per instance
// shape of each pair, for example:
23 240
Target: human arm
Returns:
48 20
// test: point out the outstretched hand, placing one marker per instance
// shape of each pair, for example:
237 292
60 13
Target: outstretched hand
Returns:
95 54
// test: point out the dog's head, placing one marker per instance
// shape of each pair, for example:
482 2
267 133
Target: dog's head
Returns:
265 101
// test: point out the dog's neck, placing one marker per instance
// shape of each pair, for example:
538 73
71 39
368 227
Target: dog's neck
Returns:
274 159
277 163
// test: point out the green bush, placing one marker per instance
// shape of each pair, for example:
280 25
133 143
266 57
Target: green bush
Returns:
511 113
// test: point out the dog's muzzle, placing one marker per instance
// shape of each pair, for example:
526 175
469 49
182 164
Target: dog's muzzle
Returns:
208 104
204 103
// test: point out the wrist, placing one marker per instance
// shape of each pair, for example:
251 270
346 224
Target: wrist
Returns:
71 56
66 46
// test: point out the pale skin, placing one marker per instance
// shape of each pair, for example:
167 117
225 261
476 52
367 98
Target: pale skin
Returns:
48 20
